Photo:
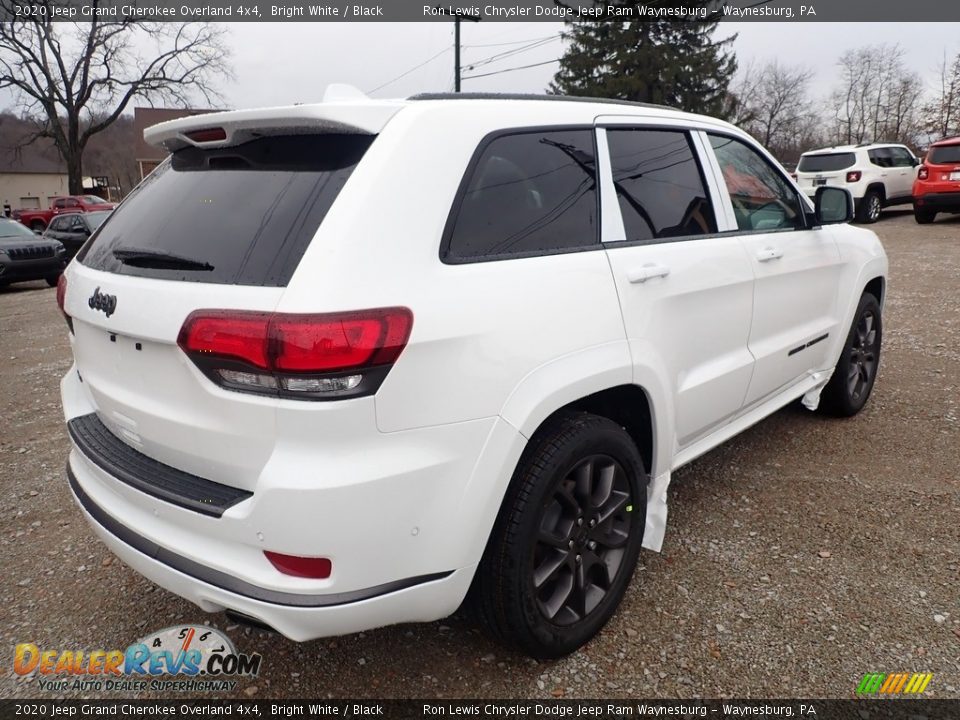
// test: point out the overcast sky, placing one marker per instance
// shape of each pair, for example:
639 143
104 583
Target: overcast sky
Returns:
280 63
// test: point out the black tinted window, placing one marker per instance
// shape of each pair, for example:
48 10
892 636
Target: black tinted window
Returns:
659 185
881 157
762 199
944 154
529 192
826 163
249 211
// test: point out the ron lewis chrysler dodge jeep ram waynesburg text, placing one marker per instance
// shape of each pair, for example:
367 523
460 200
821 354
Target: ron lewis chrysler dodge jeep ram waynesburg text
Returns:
349 364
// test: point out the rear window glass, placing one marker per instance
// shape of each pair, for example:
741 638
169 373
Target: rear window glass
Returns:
826 163
945 154
529 193
241 215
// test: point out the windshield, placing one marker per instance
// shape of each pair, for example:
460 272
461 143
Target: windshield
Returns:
11 229
826 163
943 154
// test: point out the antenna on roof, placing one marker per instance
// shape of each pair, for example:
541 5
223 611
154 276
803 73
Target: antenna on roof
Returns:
342 91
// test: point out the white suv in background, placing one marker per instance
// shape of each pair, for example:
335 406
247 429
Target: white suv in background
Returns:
877 175
386 355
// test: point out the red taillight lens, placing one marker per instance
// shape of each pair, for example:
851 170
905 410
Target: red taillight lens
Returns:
235 336
923 173
854 176
793 175
207 135
305 567
306 356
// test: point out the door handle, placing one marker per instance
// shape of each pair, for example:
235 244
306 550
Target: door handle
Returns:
769 253
646 272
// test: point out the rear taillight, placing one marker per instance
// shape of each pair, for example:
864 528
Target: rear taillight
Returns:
316 568
62 298
854 176
794 176
923 173
311 357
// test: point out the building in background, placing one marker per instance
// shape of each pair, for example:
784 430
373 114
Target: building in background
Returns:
30 176
147 156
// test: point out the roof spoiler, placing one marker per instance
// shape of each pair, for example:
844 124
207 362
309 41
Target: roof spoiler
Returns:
344 110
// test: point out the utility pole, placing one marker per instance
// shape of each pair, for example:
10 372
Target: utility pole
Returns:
457 17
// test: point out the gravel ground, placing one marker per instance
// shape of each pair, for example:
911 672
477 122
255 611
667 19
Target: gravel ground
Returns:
798 556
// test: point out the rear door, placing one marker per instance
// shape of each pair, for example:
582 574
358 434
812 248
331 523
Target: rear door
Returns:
221 227
903 172
686 291
797 268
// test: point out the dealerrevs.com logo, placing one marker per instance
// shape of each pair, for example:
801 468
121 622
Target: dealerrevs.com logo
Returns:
180 658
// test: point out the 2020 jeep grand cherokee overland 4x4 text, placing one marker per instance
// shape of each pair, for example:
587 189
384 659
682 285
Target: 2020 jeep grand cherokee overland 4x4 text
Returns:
389 352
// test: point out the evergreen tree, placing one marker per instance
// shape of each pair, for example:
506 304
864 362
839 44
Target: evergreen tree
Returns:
672 61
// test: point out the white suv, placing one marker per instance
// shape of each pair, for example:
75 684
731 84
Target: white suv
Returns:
876 174
337 365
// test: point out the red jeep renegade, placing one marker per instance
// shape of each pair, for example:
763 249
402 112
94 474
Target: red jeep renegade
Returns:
937 187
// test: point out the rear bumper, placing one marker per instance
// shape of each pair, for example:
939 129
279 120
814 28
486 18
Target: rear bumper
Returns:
298 616
941 202
403 520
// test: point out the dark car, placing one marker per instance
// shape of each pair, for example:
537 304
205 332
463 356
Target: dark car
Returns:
24 256
73 229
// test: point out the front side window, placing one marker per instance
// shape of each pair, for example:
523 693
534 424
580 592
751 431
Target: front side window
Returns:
528 193
901 157
659 185
762 199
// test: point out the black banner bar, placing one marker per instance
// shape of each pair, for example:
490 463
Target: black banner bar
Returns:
854 709
503 11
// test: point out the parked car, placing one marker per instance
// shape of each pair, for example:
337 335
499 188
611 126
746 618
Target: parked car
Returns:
877 174
73 229
447 346
937 187
25 257
38 220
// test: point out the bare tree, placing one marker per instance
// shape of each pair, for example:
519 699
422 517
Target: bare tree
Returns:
877 97
77 78
774 106
942 113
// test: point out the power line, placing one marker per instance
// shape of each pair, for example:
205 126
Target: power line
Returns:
510 53
415 67
512 42
522 67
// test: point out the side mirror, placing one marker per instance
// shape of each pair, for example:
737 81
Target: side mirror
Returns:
915 161
833 205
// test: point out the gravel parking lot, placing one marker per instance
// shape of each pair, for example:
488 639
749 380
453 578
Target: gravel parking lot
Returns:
799 556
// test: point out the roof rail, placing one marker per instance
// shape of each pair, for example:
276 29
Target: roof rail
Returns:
534 96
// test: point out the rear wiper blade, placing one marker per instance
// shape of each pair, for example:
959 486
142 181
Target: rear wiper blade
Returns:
143 257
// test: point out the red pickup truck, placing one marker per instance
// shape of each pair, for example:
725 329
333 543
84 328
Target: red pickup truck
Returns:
37 220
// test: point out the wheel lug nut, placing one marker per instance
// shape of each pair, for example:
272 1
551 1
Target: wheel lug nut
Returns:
571 545
592 523
592 545
580 521
579 559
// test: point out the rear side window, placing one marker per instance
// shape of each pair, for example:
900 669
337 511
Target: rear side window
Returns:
762 199
944 154
826 163
659 185
527 193
241 215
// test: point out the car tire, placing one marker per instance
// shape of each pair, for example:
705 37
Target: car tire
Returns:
869 209
924 217
856 370
52 279
37 226
575 508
